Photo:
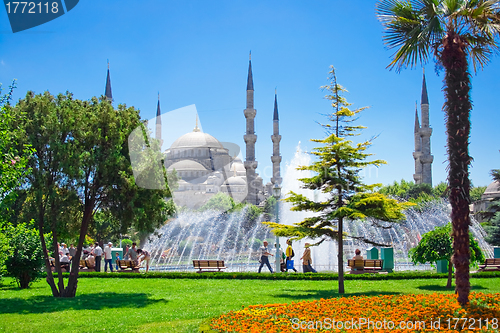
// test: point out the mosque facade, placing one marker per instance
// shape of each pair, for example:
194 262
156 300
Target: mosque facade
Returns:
205 166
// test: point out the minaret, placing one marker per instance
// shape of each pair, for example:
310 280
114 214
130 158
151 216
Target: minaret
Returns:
158 123
107 92
276 138
250 139
424 132
417 176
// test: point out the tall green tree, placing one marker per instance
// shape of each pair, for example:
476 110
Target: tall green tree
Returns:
83 147
454 31
337 175
437 245
14 158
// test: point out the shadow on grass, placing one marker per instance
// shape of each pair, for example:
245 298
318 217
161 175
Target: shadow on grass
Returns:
44 304
14 286
437 287
317 294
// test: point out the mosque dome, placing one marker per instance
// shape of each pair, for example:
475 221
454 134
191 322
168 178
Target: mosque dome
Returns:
196 139
235 181
492 191
187 165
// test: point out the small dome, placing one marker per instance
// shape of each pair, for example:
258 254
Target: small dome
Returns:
232 181
196 140
238 166
492 191
187 165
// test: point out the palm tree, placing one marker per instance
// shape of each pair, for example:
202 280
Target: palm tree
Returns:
455 32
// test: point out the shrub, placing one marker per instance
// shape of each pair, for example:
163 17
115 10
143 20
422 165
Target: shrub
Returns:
25 255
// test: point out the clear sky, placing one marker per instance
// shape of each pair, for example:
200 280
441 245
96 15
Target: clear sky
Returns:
196 52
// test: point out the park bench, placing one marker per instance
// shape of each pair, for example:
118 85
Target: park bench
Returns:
127 264
491 262
364 265
85 266
208 265
64 265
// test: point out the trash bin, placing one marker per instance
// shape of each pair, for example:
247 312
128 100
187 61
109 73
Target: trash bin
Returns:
387 255
442 266
372 253
496 252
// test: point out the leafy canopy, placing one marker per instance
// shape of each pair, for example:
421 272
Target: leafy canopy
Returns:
437 245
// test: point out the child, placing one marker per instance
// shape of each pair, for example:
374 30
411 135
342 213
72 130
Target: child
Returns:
117 258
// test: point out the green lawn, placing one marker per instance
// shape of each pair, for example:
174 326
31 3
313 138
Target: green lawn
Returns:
176 305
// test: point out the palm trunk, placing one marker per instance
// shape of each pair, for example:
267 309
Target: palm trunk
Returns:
457 107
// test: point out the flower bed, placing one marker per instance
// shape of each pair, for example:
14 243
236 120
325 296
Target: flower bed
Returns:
384 313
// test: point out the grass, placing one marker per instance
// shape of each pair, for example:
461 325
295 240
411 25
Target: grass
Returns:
177 305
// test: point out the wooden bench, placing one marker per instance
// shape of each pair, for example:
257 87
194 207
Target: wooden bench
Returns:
127 264
208 265
364 265
85 266
64 265
491 262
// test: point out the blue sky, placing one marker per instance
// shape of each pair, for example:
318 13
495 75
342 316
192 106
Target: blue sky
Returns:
196 52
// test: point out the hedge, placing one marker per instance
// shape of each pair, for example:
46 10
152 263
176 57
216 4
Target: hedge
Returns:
280 276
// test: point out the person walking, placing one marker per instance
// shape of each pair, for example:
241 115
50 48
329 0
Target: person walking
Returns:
108 259
97 252
264 257
289 255
306 260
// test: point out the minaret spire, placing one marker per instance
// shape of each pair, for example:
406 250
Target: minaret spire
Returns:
425 98
417 123
250 139
158 123
276 138
196 129
107 92
250 76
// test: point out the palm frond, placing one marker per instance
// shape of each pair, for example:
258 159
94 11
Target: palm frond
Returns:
411 27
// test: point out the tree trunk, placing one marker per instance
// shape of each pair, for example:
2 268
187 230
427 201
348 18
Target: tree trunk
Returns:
70 290
457 108
450 273
41 216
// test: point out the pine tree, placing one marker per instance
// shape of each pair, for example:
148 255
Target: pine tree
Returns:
337 174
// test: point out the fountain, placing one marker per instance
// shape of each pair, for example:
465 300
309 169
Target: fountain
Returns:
235 238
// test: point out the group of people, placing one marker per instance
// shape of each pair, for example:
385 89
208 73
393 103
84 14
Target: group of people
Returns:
286 261
138 256
93 254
